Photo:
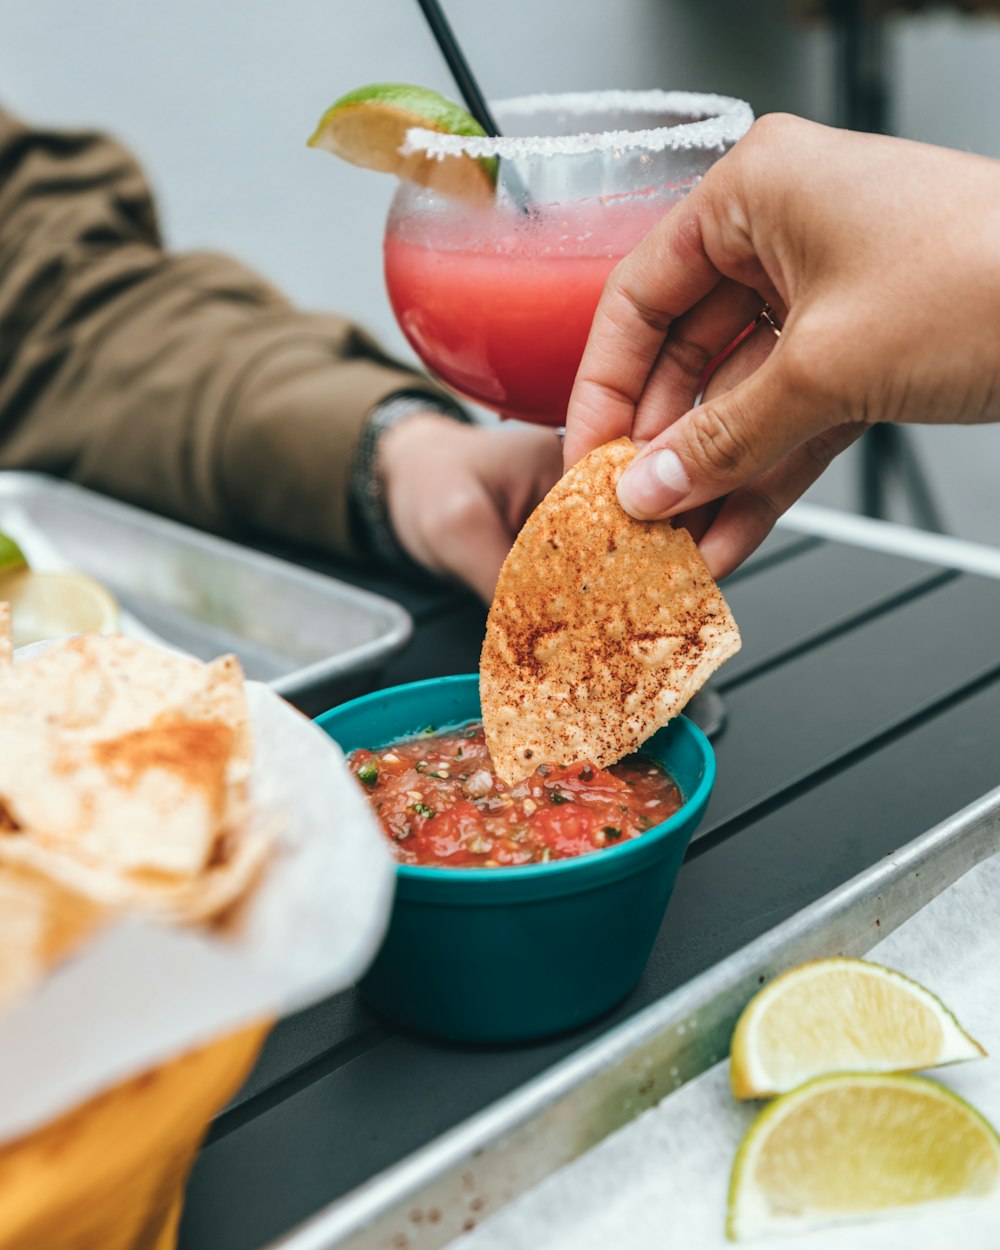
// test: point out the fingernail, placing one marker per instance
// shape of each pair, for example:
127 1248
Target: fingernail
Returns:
653 485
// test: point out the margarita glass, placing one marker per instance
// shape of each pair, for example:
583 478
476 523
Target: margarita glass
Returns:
496 293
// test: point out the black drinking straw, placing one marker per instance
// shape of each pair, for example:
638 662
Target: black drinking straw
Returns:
465 80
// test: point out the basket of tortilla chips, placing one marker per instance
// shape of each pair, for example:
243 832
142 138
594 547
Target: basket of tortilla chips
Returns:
183 857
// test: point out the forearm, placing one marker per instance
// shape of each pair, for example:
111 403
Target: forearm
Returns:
183 383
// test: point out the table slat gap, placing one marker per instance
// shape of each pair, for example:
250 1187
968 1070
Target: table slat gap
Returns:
843 626
755 564
235 1117
733 824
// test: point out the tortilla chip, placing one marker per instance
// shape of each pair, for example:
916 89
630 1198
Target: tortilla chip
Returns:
243 853
124 775
149 799
98 686
601 630
40 924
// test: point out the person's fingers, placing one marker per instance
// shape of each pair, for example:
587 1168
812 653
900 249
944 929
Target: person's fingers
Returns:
699 520
665 275
693 341
466 538
457 494
748 515
518 466
724 443
749 354
481 568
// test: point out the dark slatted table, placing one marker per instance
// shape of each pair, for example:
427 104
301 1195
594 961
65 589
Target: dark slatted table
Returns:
862 710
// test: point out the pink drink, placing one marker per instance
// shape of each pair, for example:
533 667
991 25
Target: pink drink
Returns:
497 295
499 306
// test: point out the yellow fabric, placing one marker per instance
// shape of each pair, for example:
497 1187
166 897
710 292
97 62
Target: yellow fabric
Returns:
110 1174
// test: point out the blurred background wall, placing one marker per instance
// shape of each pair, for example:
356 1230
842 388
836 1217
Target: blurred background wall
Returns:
218 97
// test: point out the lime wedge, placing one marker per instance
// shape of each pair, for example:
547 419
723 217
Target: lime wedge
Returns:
368 126
858 1145
841 1015
51 605
11 555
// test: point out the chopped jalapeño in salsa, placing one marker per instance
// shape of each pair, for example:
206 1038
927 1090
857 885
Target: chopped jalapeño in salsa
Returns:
368 773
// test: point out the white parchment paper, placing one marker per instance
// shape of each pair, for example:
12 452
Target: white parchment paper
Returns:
661 1182
141 993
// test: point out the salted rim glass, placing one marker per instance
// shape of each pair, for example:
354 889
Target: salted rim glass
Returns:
495 292
622 132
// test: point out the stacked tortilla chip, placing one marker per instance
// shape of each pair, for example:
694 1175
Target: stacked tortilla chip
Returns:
124 783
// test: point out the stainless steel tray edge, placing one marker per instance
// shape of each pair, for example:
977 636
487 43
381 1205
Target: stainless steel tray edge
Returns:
469 1173
396 624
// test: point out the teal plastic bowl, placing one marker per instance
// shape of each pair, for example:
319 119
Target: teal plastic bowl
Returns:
509 954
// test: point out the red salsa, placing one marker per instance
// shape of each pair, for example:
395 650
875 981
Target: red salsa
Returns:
441 803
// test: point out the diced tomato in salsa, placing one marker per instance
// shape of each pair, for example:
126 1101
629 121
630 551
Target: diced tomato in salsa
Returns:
441 803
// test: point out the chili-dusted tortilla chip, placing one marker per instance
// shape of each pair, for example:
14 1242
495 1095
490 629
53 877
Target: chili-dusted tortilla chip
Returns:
601 629
182 899
121 753
124 775
96 686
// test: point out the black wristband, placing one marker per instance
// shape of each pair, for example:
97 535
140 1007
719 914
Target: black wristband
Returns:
367 488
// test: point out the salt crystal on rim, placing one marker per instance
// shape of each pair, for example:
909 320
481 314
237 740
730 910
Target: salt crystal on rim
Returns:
721 120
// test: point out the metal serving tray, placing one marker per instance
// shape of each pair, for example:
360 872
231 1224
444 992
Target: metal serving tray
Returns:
472 1171
311 637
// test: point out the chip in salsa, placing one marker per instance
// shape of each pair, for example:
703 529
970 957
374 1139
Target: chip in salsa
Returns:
441 803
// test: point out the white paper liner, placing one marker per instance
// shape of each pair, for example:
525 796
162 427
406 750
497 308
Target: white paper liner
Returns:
141 993
723 120
661 1182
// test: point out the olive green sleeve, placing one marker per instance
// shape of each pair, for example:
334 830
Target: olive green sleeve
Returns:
181 382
